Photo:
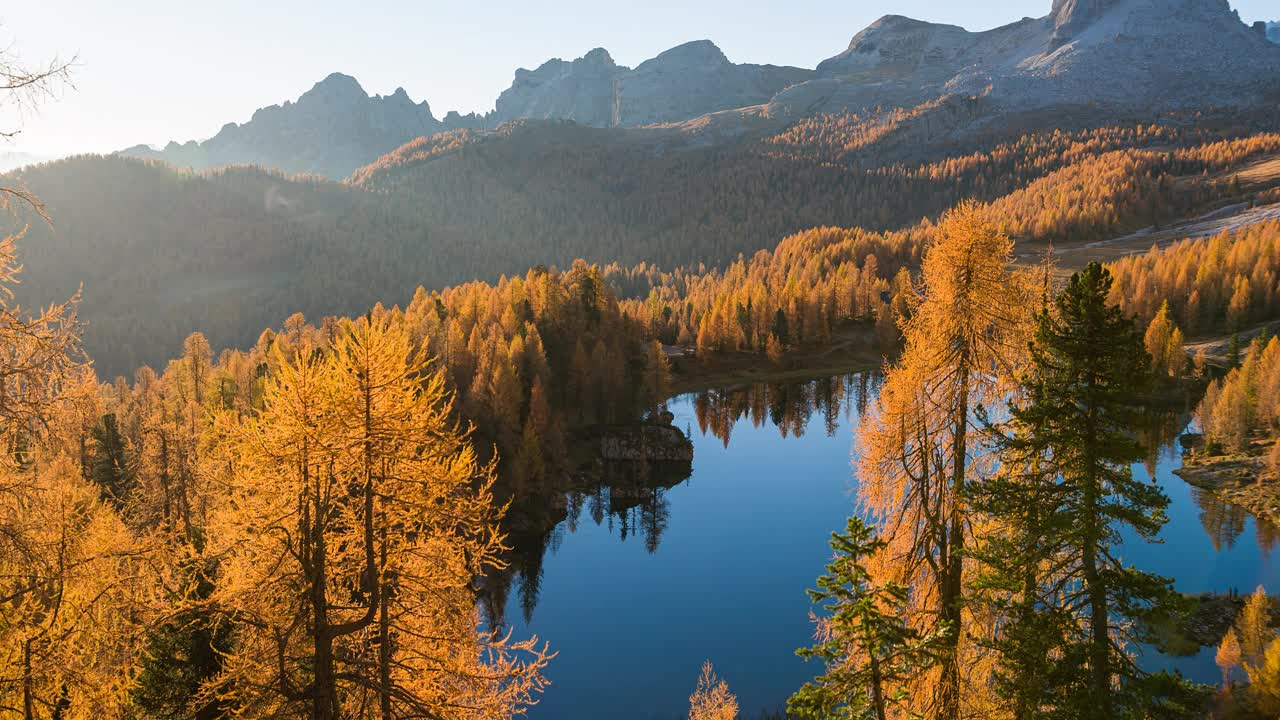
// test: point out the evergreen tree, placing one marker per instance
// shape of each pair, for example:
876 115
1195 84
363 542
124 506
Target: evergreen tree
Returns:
108 463
1228 657
964 339
1157 341
1079 400
657 375
711 699
184 656
1033 675
781 331
866 642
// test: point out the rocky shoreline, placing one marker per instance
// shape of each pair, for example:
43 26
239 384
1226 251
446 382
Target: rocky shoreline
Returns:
1236 478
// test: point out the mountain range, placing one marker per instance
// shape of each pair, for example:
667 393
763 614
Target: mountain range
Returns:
1082 111
336 127
1126 55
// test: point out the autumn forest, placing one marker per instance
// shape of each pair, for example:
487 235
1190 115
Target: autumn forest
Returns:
281 446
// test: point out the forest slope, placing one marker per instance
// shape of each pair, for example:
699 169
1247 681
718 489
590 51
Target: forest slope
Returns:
162 253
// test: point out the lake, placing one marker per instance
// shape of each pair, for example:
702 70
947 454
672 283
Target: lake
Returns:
634 593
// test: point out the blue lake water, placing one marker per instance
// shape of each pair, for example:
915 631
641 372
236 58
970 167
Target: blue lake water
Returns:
716 567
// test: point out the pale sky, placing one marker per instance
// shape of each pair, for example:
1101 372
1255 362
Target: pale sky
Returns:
154 70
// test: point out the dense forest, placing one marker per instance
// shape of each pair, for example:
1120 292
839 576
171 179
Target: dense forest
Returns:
1227 282
163 253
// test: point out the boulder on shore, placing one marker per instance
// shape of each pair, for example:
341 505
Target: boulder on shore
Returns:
648 443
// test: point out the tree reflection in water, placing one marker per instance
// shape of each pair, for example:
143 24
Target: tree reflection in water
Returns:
788 406
629 496
1223 522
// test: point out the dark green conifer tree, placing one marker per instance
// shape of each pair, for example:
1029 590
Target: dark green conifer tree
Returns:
184 654
780 331
868 647
1035 673
1073 417
108 463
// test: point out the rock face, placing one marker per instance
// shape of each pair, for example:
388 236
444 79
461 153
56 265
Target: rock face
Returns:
582 91
682 83
1273 32
332 129
1071 17
647 442
1131 54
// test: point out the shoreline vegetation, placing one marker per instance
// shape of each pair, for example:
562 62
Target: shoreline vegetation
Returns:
853 349
1236 477
1238 456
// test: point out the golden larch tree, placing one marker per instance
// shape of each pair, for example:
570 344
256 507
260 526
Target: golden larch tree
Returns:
964 338
358 521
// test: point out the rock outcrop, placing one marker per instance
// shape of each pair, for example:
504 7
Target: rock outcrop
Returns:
682 83
1273 32
648 442
1071 17
582 90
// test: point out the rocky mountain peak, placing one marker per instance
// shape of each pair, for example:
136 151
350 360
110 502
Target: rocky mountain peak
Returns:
598 56
335 88
1131 54
681 83
699 53
1071 16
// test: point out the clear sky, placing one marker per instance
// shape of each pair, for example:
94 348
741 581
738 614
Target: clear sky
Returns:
154 70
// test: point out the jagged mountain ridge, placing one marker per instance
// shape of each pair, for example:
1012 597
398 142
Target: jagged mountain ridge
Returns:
1132 54
1115 55
336 127
333 127
686 81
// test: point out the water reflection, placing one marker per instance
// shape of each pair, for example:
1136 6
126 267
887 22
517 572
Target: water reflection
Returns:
788 406
1226 523
1223 521
629 497
683 562
626 496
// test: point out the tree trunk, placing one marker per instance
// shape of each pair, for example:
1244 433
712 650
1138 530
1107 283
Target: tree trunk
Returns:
951 600
164 475
28 692
384 638
877 689
1099 631
324 694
